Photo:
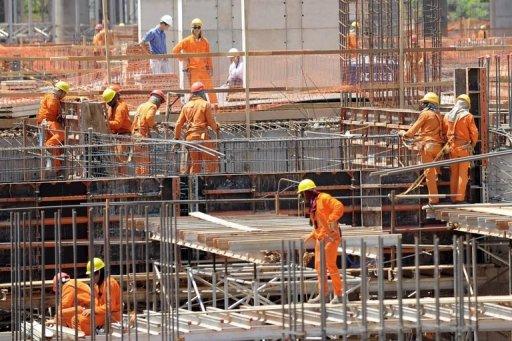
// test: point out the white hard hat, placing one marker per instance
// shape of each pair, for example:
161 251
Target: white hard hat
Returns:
166 19
232 50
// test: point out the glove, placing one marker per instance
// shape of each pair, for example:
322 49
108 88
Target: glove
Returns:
333 226
401 133
307 257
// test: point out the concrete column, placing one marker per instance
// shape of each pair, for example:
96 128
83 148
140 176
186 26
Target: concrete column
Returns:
65 18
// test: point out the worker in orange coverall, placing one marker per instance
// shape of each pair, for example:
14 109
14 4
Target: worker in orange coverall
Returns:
352 36
200 69
429 128
49 115
142 123
99 38
324 213
68 308
103 287
120 124
198 116
462 135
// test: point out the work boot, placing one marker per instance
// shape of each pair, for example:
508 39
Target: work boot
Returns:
337 299
317 299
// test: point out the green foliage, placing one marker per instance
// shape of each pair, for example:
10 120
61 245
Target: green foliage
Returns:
475 9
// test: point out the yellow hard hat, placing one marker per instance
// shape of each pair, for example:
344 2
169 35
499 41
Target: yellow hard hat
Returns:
108 95
306 185
98 265
64 86
196 22
465 97
354 24
483 27
430 97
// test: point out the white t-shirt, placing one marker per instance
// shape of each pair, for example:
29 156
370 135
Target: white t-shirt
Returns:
236 73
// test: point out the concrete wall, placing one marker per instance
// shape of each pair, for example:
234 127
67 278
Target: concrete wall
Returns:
501 17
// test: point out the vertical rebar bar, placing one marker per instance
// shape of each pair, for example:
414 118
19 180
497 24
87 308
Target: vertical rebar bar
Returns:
436 287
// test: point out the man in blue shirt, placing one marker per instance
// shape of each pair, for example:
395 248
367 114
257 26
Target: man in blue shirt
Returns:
157 45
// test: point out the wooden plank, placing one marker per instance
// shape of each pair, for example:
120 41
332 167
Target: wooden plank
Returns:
219 221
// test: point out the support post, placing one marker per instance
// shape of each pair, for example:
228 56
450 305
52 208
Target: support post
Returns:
245 47
106 23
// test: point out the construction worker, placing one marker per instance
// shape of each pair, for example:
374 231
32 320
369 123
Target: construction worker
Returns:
157 45
462 135
429 129
198 116
99 38
352 36
236 70
68 309
482 32
120 124
143 121
49 115
103 305
199 69
324 213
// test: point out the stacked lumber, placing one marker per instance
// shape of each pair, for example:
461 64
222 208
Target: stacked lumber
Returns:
18 108
19 85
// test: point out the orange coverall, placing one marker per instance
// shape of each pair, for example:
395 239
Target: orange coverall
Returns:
324 211
462 135
99 38
100 306
352 40
49 109
66 309
119 123
199 67
197 113
142 123
429 127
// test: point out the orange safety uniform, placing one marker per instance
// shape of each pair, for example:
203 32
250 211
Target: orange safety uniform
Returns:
429 127
66 309
197 113
481 34
352 40
49 109
462 135
102 307
324 211
199 68
142 123
119 123
99 38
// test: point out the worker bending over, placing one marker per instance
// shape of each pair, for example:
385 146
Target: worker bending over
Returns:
324 213
68 309
462 135
143 122
119 123
197 115
103 305
199 69
100 38
49 115
430 137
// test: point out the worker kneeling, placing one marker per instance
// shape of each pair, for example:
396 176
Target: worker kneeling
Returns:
68 309
197 115
324 213
429 129
462 135
107 299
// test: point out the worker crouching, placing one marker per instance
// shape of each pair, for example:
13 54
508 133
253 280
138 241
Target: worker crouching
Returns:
198 116
428 130
107 299
68 308
143 122
324 213
49 115
462 135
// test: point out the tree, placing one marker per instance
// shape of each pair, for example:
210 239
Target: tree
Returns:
476 9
